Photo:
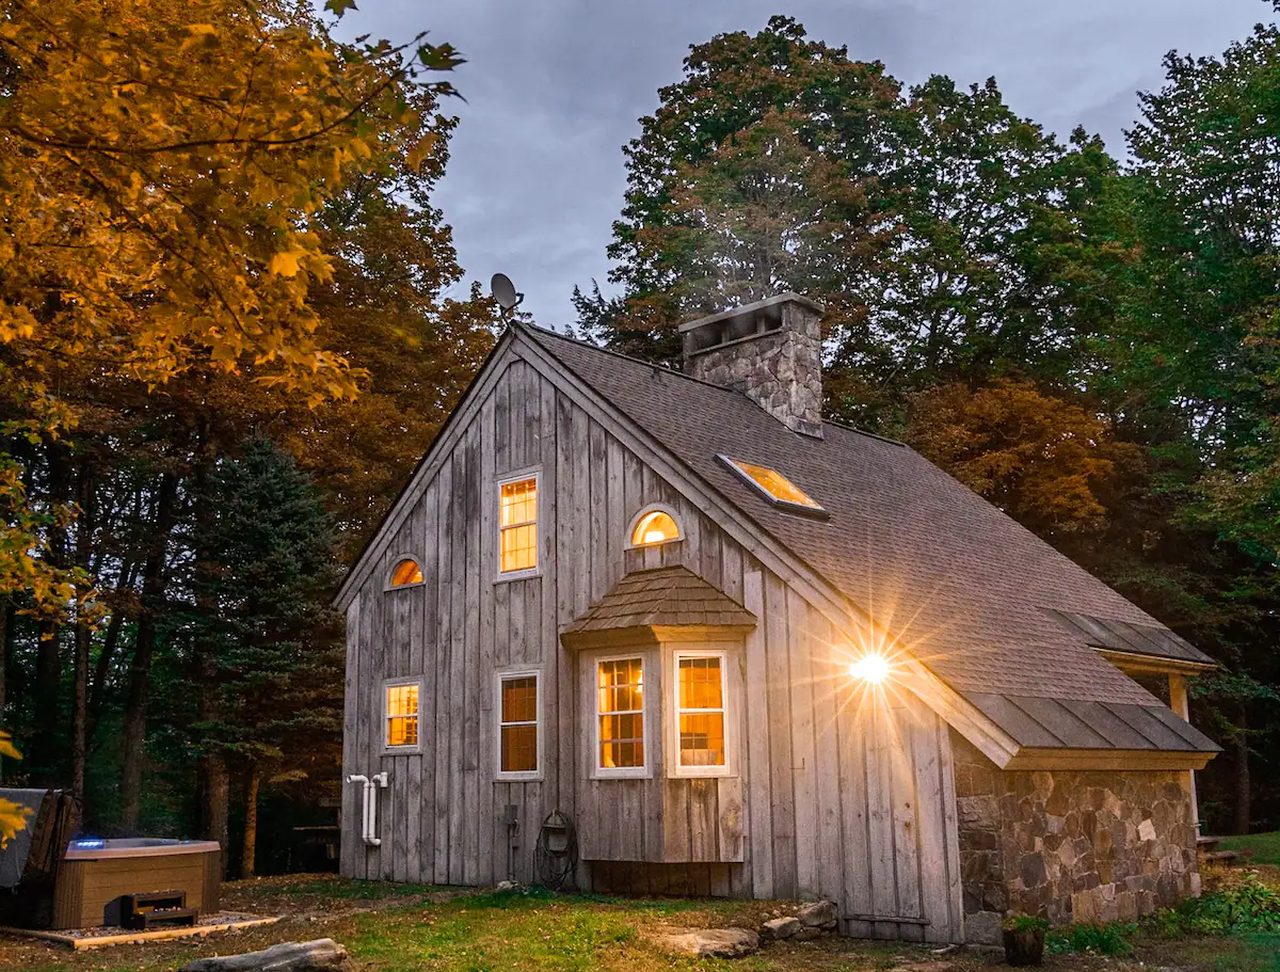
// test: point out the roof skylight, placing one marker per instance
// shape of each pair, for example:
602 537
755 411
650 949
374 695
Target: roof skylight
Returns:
776 487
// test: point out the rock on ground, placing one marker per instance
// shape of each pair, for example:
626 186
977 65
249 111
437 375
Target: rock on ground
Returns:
711 942
819 914
321 955
779 928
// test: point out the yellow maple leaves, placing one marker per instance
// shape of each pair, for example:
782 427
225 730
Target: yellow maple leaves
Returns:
285 262
162 164
13 816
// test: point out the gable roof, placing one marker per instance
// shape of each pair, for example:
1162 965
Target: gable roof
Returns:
662 597
968 591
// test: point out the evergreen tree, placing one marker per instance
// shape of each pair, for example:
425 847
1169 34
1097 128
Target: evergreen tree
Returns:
261 602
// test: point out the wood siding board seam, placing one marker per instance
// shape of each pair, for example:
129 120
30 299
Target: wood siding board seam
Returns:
428 467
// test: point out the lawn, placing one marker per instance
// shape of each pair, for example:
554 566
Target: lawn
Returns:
402 927
1257 848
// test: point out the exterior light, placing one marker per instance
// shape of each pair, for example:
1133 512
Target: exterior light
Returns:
871 667
654 536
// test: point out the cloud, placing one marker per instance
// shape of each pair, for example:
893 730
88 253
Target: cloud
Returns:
554 89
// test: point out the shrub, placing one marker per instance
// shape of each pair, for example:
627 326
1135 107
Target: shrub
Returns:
1245 905
1111 938
1024 923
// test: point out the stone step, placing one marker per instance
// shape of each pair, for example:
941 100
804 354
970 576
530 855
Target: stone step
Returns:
1219 856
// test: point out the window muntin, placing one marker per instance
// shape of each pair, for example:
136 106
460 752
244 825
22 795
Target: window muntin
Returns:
518 524
700 692
518 707
620 729
653 527
401 709
406 573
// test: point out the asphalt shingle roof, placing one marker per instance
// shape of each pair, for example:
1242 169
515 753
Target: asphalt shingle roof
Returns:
963 586
662 597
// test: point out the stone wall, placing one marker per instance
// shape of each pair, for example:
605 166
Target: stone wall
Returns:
1068 845
780 369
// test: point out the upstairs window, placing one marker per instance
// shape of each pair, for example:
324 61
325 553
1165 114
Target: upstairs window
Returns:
700 713
518 724
776 487
518 524
400 710
406 573
620 735
654 526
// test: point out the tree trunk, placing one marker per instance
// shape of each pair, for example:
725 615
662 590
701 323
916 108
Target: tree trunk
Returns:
80 708
110 641
48 725
213 765
217 795
249 853
82 637
1243 808
6 621
135 709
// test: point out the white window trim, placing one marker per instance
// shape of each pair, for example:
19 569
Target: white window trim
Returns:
675 766
653 508
501 676
389 683
534 473
396 561
599 772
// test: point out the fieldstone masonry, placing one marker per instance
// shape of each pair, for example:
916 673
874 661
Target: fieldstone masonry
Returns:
773 356
1069 845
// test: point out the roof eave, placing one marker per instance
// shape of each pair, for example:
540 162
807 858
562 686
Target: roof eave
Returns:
1045 758
1132 661
648 635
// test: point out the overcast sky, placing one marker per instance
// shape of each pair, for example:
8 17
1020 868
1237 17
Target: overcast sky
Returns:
554 88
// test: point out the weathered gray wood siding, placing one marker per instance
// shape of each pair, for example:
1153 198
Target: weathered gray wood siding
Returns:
837 796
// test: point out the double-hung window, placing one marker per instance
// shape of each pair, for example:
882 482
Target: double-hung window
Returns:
401 709
619 718
518 525
518 709
700 731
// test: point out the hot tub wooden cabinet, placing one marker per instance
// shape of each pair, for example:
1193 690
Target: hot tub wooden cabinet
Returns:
95 874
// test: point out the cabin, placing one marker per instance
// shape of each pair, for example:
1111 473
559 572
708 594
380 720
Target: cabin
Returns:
633 629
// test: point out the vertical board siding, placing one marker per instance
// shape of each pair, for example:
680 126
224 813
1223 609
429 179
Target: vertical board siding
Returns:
836 793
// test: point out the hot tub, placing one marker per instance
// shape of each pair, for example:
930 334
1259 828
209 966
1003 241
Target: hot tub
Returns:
96 873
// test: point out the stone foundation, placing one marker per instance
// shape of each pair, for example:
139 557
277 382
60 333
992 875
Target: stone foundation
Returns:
1069 845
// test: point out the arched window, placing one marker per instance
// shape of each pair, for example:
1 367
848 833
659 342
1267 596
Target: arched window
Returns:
653 526
405 573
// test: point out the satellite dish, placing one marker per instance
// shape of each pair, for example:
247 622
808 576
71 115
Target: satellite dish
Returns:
504 292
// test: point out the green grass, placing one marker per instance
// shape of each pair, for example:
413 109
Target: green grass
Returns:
396 928
1260 848
341 890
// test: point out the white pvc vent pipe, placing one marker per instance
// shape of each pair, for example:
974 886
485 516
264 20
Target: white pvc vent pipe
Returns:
369 815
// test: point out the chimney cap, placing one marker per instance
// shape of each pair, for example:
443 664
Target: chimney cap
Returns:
790 297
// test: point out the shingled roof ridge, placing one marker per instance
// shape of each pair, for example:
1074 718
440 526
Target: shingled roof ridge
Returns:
664 369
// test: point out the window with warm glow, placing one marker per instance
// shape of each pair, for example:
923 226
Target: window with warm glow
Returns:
405 573
518 522
620 714
518 723
774 485
654 527
700 696
401 714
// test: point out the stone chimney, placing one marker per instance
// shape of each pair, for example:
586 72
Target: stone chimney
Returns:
770 351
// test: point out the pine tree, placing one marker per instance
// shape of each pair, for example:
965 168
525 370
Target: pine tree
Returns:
262 612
